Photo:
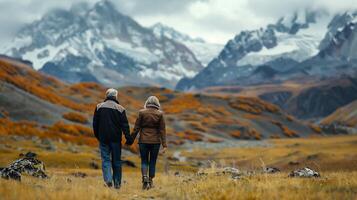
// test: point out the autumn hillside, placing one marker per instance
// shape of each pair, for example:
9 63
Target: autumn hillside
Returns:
32 103
346 115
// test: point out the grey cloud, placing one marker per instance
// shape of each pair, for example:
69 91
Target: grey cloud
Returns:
278 8
221 17
153 7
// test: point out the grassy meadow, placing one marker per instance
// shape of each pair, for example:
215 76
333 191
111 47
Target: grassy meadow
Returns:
334 157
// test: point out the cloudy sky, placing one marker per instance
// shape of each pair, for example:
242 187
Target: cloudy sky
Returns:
214 20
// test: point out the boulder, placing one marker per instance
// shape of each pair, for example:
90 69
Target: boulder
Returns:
28 164
304 172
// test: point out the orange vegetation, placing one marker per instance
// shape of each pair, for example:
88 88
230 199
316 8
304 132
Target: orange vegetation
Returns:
182 103
249 133
76 117
177 142
45 87
316 129
214 140
72 129
190 135
198 126
252 105
236 134
286 130
290 118
71 133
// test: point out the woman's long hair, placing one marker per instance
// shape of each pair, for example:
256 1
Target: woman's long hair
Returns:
152 101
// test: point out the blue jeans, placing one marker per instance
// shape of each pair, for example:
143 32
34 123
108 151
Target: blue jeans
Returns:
148 154
111 160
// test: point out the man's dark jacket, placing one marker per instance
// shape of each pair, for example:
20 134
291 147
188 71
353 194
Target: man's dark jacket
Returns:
110 121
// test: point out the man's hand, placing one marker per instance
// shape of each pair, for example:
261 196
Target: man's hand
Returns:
129 141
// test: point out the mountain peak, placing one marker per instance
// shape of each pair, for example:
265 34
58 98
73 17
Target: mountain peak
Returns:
160 30
105 8
300 19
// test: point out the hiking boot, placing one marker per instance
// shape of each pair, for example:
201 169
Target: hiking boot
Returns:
117 186
151 183
146 182
109 184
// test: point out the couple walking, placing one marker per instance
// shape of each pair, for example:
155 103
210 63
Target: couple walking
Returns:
110 121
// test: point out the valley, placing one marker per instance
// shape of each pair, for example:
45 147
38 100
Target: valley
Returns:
269 113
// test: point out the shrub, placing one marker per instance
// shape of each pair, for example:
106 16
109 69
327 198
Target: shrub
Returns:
254 134
290 118
182 103
236 134
72 129
177 142
316 129
75 117
286 131
190 135
252 105
198 126
214 140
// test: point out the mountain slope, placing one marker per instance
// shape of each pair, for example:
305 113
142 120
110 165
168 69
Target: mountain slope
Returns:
203 50
100 44
346 115
36 104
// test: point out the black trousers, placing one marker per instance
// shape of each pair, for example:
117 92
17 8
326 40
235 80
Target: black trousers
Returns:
149 154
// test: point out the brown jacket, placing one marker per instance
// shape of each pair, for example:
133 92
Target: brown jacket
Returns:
151 126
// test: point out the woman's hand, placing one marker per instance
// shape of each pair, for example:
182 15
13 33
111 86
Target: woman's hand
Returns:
164 150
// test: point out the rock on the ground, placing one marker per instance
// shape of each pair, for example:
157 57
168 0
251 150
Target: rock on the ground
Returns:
93 165
29 165
128 163
28 155
232 171
304 172
271 170
79 174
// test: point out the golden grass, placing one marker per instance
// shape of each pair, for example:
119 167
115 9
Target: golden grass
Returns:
337 153
61 185
336 162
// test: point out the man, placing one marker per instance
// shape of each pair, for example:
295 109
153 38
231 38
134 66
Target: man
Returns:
109 122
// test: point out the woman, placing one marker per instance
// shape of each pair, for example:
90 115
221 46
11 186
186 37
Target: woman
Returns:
151 126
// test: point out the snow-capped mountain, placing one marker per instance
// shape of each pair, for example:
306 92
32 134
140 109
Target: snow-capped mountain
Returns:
338 49
203 50
293 38
99 43
340 40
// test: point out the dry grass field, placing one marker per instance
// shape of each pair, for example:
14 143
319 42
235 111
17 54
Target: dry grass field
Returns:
334 157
